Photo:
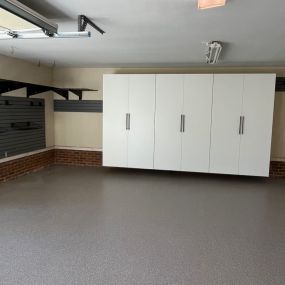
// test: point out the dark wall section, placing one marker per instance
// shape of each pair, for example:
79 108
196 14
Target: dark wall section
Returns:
22 125
90 106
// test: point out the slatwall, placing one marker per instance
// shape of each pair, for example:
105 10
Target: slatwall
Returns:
90 106
22 125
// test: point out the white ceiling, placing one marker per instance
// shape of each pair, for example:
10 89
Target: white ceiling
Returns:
158 33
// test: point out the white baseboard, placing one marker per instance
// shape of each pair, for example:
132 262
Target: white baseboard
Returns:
278 159
2 160
78 148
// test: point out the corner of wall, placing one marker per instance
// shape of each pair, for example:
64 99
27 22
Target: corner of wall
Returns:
24 71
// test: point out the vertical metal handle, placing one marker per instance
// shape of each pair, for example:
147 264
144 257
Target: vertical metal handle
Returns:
129 121
182 123
240 125
242 128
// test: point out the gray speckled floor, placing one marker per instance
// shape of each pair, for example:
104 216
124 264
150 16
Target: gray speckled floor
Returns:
69 225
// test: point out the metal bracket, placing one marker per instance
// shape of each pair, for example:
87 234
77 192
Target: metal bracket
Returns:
83 21
61 91
7 85
34 89
12 34
79 91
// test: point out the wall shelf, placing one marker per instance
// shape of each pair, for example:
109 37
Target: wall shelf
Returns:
34 89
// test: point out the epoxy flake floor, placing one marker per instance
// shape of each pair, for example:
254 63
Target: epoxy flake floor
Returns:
76 225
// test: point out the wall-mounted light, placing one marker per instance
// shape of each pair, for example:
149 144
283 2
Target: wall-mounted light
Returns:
206 4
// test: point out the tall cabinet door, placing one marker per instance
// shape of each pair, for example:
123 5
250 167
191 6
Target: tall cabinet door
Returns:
141 129
226 112
169 101
258 103
196 134
115 109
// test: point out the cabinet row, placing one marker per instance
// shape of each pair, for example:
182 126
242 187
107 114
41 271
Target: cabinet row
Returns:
217 123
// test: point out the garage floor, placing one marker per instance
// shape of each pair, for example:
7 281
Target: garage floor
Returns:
69 225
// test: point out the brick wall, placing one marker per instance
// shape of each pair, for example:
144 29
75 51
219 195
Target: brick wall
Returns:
76 157
21 166
12 169
277 169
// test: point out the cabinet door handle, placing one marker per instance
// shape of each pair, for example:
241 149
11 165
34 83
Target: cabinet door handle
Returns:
240 125
126 121
242 128
129 121
181 123
184 123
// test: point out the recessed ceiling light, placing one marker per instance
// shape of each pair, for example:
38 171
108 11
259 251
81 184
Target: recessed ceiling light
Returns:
206 4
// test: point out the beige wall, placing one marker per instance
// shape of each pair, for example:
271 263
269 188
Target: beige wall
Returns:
81 130
89 127
20 70
84 130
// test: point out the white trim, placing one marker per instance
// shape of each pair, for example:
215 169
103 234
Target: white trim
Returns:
2 160
78 148
277 159
24 154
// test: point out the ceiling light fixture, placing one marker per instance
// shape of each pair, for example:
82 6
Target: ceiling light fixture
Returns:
206 4
213 51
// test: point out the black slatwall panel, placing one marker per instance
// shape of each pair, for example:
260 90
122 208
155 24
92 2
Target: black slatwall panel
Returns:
90 106
22 125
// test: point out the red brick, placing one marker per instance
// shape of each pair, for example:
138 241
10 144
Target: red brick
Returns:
80 158
21 166
277 169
